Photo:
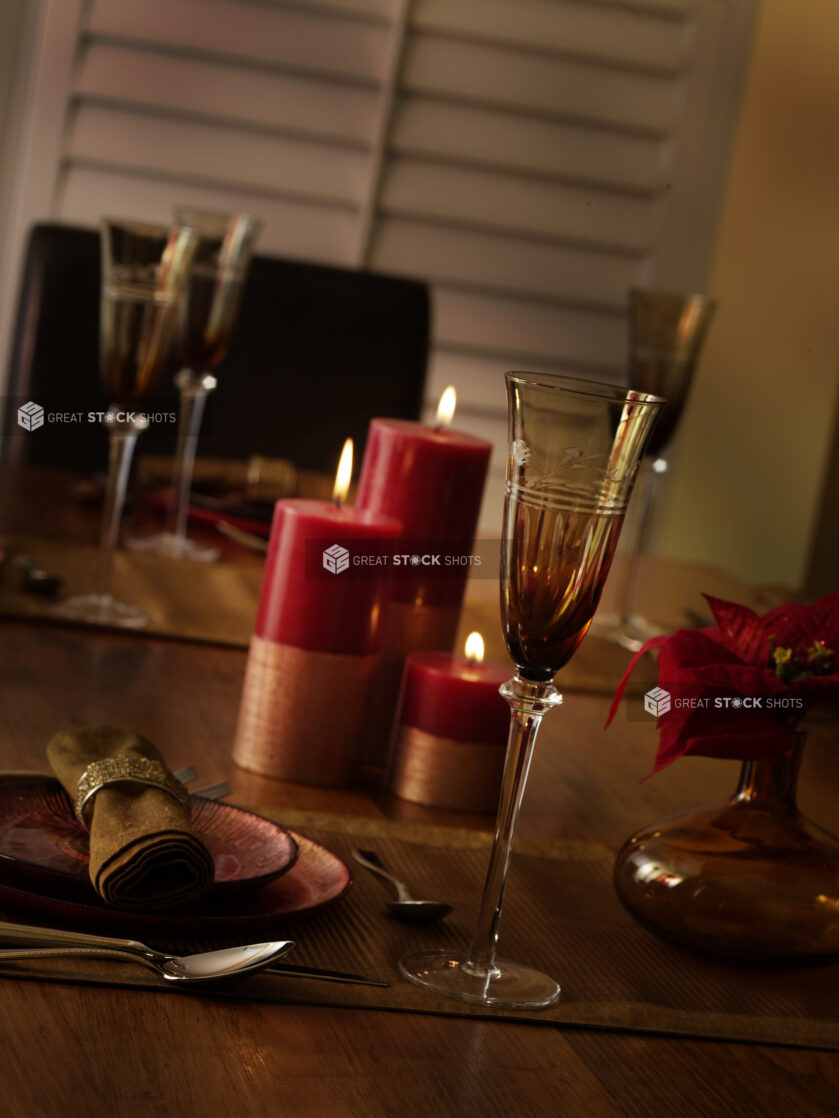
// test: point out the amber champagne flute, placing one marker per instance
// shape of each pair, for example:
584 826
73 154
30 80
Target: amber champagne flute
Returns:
143 272
667 332
208 316
573 453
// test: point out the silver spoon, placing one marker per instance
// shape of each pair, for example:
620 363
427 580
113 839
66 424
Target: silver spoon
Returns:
229 962
405 907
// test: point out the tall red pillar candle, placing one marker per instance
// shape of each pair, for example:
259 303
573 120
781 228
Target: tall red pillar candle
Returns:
451 734
432 480
316 645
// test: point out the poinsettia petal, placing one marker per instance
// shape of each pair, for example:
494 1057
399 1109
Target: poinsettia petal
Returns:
817 688
797 626
740 678
790 626
824 615
743 628
725 734
773 742
653 642
693 648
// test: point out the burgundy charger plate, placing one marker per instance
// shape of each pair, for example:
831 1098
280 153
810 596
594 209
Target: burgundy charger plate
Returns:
318 878
43 844
40 837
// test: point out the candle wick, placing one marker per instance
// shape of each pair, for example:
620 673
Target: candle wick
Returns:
338 503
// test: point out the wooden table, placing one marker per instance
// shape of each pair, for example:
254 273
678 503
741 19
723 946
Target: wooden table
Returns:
91 1051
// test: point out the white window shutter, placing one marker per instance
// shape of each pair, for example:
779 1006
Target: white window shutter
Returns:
531 159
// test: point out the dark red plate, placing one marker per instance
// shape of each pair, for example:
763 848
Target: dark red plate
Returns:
317 878
42 844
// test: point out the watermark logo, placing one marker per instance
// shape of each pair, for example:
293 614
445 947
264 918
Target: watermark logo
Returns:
30 416
336 559
657 702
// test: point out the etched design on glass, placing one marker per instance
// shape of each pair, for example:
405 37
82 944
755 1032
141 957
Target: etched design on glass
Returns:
520 452
553 489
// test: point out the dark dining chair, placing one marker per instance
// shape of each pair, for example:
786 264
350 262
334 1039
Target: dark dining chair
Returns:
317 352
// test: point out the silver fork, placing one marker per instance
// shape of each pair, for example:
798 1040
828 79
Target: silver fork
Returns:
215 791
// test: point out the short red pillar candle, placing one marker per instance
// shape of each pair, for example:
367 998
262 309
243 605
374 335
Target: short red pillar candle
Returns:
432 480
315 647
451 733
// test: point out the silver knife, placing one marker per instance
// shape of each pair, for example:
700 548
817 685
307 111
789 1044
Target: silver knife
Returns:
288 970
23 935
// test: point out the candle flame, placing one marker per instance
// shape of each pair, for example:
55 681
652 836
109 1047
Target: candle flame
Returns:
474 648
344 475
445 409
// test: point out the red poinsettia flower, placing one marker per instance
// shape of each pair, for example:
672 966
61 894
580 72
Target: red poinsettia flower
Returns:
739 689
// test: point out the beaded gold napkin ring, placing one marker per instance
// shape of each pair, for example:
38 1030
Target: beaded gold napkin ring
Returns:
115 770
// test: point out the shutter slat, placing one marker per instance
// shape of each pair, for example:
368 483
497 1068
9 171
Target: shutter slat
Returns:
507 326
291 228
554 87
382 9
479 382
590 30
503 202
216 154
237 94
509 265
256 33
509 140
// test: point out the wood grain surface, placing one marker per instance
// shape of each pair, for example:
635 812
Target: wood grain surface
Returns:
91 1052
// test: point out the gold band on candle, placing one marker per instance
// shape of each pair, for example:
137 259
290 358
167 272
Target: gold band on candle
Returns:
303 713
445 773
118 770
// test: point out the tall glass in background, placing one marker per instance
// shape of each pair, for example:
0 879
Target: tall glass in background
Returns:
667 331
573 452
144 268
207 320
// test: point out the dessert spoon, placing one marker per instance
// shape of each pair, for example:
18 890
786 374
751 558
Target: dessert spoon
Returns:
405 907
229 962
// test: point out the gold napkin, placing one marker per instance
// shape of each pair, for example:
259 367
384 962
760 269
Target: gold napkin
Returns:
144 853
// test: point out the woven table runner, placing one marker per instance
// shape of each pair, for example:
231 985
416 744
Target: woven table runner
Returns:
560 915
216 603
211 602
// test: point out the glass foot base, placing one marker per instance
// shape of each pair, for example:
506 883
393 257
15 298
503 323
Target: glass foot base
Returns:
508 985
170 546
101 609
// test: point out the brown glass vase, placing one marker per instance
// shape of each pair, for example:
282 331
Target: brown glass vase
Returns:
750 878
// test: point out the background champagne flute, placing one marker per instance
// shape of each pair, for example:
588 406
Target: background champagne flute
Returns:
574 449
143 272
208 316
667 331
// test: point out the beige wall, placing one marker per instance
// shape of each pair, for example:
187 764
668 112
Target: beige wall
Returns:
757 437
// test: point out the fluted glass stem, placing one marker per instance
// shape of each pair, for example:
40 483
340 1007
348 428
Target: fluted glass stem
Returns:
528 704
476 976
173 542
634 628
100 607
194 390
122 442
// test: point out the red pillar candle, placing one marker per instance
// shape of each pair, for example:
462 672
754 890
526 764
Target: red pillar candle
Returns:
432 480
307 599
315 647
451 732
